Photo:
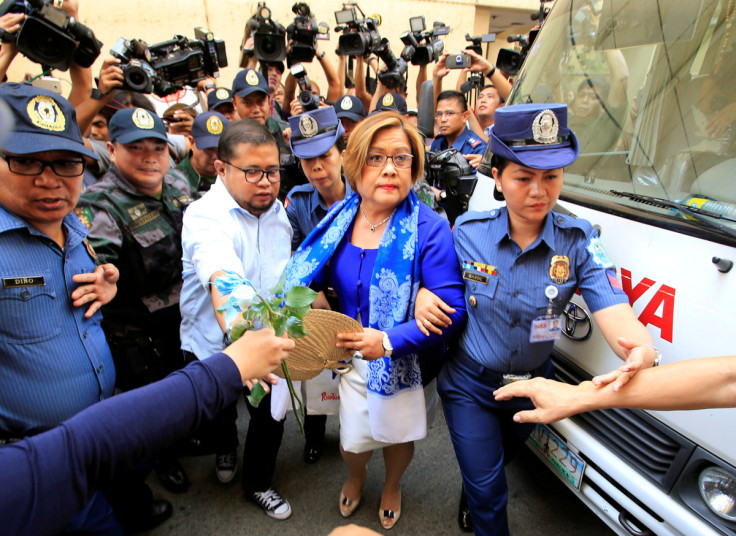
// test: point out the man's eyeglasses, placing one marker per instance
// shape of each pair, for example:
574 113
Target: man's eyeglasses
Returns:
31 167
401 160
448 113
254 175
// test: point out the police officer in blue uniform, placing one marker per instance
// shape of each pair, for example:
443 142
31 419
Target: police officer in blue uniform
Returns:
317 140
521 265
451 116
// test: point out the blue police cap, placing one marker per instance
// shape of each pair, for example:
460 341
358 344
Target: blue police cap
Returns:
392 101
218 96
314 132
248 81
44 121
351 107
207 128
534 135
133 124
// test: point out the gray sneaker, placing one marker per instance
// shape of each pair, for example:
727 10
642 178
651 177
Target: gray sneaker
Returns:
272 503
225 466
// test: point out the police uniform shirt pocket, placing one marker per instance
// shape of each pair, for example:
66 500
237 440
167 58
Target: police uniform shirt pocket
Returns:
30 312
480 290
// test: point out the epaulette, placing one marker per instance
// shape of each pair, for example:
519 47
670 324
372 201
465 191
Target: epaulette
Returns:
564 221
477 216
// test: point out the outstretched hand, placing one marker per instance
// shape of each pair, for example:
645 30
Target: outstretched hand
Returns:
553 400
638 357
98 288
257 353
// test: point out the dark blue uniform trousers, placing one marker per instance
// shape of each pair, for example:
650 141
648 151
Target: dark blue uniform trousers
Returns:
485 437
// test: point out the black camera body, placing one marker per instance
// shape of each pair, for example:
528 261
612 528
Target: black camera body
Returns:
394 76
477 41
269 37
455 177
307 99
359 36
167 67
51 37
423 47
301 35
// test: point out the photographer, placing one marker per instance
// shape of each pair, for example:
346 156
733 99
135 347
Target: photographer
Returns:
333 83
478 64
272 71
10 23
451 116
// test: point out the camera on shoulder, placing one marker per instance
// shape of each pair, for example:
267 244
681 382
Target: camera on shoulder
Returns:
167 67
51 37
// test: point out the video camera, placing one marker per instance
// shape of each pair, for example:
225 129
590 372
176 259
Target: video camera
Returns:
302 34
51 37
431 49
307 99
510 61
360 36
269 37
476 42
394 76
167 67
455 177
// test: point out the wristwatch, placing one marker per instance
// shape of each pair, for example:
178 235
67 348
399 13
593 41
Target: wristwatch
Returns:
657 356
490 73
387 348
322 55
96 94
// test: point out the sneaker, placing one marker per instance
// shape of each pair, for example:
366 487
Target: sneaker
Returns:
225 466
272 503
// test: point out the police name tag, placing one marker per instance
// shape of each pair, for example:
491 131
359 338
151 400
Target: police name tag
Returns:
546 328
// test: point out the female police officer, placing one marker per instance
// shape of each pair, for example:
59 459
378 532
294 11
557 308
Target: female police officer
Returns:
521 264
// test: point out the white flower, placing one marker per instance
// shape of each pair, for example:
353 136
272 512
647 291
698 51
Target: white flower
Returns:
245 295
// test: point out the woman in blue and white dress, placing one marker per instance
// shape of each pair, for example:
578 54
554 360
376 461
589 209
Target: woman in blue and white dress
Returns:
376 248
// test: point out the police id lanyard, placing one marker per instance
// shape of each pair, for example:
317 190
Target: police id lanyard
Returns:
549 327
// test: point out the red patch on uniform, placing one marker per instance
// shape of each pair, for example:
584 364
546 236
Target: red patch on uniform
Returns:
613 280
286 203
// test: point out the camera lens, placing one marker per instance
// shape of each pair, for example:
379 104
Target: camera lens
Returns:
136 78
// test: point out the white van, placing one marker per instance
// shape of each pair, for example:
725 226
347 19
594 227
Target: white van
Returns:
651 87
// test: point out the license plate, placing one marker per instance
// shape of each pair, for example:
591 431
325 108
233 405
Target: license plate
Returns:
558 454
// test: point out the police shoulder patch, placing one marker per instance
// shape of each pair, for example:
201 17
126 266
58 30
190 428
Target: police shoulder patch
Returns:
600 257
85 216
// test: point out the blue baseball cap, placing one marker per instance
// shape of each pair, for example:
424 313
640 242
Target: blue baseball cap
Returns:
218 96
392 101
44 121
534 135
248 81
133 124
314 132
207 128
351 107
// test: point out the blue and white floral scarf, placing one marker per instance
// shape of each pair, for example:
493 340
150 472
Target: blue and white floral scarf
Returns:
395 395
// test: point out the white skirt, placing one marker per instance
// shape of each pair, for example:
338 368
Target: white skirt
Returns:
355 430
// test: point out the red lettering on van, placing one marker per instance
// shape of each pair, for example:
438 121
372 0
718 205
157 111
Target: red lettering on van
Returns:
664 297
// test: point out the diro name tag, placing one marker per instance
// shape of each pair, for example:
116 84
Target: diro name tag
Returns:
32 281
474 276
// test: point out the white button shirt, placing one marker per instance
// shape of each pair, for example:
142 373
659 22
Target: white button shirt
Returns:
220 235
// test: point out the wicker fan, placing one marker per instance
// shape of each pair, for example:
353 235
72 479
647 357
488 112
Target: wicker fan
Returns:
317 351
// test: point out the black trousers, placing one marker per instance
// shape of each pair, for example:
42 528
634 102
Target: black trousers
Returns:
262 442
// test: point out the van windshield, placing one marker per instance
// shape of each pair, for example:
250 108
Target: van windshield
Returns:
649 88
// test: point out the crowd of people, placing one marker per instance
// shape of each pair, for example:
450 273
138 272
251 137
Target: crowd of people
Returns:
115 222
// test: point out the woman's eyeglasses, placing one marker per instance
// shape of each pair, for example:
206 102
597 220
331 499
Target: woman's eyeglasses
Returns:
401 160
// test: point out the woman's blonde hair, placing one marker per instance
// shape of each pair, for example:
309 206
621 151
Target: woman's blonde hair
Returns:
362 137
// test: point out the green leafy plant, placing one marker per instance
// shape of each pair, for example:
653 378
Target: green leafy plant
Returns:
247 308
